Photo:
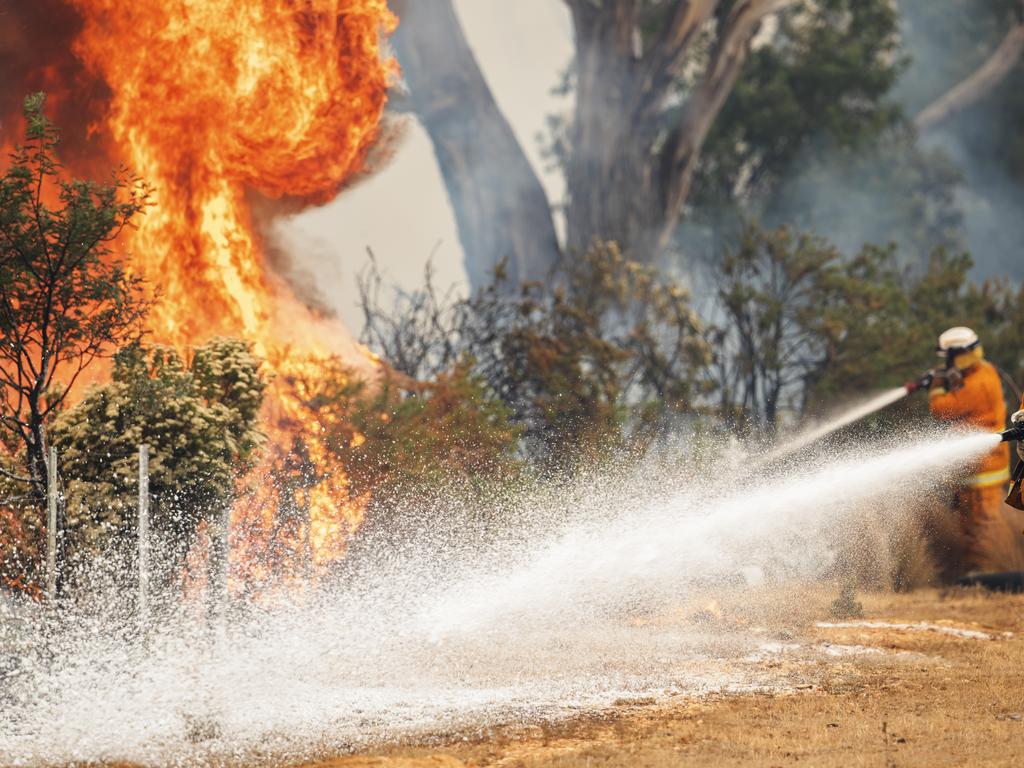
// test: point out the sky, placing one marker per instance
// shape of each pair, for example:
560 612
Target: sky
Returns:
402 212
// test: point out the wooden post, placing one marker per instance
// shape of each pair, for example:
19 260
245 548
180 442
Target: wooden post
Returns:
51 526
143 532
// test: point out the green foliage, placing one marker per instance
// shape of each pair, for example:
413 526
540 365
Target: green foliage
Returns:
802 327
812 137
822 84
65 297
199 421
601 358
226 374
774 294
603 354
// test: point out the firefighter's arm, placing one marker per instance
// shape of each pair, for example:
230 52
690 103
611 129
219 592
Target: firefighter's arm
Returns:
947 405
955 400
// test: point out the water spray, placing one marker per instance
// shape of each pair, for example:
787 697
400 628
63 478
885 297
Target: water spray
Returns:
852 416
466 631
808 437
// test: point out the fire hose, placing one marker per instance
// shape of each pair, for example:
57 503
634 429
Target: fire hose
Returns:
1016 432
1016 497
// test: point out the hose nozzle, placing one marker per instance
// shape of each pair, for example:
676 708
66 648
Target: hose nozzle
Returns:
924 382
1016 432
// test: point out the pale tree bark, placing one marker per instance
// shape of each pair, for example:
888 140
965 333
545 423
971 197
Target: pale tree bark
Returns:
633 147
641 168
979 83
500 207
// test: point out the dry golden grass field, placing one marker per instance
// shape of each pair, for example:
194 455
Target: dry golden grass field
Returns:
938 680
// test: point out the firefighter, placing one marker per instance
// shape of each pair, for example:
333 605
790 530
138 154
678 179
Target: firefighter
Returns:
1016 497
969 391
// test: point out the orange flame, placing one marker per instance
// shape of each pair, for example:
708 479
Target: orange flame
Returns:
213 101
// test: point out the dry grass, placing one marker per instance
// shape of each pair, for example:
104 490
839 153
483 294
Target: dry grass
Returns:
950 701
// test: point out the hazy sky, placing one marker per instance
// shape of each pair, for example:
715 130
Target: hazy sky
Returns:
402 212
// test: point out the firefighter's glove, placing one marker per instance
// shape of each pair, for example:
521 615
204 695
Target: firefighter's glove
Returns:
954 380
923 382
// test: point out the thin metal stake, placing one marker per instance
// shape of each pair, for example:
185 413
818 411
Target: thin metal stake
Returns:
225 549
143 533
51 526
220 529
217 608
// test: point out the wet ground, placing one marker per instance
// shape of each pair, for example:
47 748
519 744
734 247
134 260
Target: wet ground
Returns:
926 679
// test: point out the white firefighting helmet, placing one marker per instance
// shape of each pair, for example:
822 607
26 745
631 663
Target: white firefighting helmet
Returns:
957 340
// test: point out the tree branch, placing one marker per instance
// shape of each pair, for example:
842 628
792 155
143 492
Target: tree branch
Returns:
682 150
500 206
979 83
14 477
669 50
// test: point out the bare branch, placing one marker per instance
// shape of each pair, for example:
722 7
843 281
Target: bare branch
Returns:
14 477
666 55
682 150
979 83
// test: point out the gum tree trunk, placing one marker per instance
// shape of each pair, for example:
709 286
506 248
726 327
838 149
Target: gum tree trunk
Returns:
632 169
632 149
500 207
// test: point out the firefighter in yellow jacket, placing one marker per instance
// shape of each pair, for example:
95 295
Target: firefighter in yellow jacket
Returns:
970 392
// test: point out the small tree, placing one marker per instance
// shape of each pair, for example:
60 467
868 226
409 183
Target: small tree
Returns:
65 297
772 330
200 422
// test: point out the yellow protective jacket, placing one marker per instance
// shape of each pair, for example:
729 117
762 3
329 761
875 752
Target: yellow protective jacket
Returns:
979 403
